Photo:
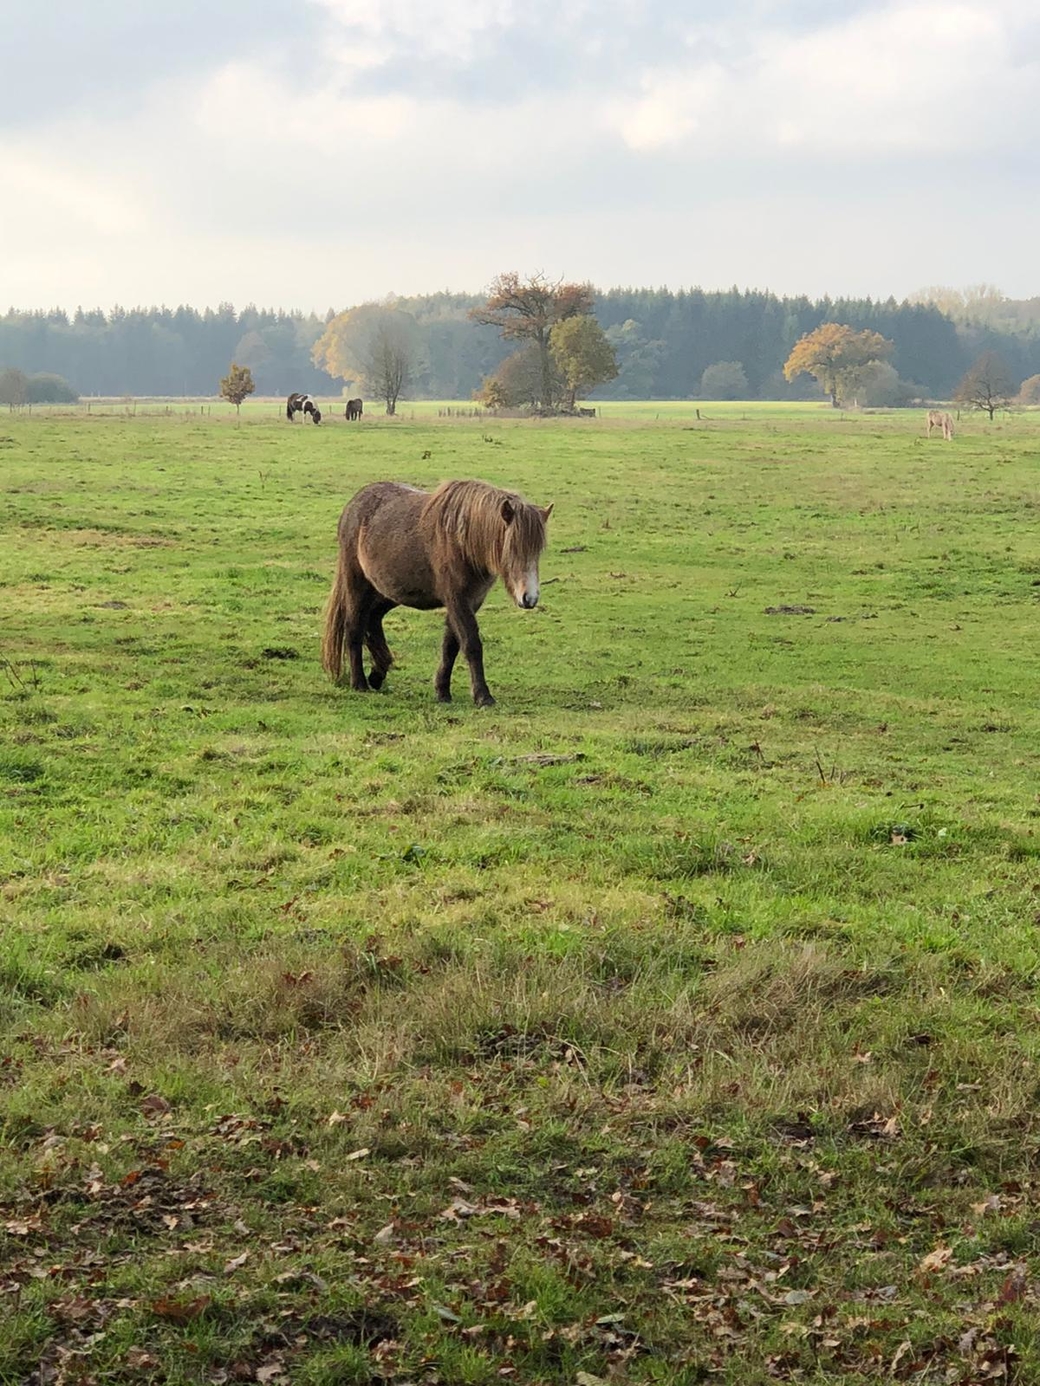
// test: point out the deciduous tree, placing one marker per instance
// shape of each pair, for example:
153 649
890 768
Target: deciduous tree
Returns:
14 387
987 385
518 382
584 356
724 380
378 346
877 385
236 385
833 354
47 388
528 310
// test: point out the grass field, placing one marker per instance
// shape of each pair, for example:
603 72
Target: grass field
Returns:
674 1020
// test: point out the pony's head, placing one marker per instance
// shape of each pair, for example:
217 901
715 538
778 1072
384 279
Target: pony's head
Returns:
522 545
316 415
494 531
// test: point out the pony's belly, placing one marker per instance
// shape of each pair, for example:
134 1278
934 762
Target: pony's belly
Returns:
420 601
404 595
403 589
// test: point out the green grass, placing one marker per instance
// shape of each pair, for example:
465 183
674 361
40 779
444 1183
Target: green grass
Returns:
673 1020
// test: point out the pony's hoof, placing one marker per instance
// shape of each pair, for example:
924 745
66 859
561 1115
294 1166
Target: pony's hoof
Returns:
360 687
443 697
485 700
375 679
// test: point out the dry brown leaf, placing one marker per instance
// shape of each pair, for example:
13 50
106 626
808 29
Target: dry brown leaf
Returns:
180 1310
1014 1287
140 1360
936 1260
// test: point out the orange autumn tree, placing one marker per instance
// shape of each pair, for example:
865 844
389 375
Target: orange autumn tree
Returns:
835 354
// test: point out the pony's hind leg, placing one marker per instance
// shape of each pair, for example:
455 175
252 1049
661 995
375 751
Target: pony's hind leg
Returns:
377 646
449 653
358 614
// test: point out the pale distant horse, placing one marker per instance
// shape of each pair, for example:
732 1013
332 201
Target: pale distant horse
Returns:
937 418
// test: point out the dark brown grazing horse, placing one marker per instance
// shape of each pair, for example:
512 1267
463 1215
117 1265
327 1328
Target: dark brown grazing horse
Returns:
399 546
355 408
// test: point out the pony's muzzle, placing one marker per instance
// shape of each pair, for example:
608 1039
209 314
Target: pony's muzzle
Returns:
525 588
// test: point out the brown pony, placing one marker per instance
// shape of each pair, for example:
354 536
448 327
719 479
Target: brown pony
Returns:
399 546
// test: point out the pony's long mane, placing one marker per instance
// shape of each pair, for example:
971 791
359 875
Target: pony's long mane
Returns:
468 515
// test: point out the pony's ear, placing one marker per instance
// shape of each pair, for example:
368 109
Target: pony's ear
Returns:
507 511
547 510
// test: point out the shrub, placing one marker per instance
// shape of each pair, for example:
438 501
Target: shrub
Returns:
47 388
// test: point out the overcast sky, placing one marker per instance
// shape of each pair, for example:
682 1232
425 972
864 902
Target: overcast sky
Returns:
317 153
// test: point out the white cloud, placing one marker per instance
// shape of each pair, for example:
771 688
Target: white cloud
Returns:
66 198
672 106
443 27
273 115
907 77
427 144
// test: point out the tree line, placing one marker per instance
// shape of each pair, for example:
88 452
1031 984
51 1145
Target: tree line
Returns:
666 345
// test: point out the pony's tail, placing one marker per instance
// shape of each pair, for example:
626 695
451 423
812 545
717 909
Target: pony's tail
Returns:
335 635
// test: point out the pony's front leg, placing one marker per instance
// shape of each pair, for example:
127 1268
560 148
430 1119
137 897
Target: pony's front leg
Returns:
449 653
465 624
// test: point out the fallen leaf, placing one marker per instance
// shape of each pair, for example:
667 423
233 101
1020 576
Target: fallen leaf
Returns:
796 1297
936 1260
72 1309
359 1154
1014 1287
139 1360
236 1263
901 1351
385 1234
180 1310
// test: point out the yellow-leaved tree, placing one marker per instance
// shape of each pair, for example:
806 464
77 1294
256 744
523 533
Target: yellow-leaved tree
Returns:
375 345
236 385
835 354
583 354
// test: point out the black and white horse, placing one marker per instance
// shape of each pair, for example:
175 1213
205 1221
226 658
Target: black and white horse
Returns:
296 404
355 408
